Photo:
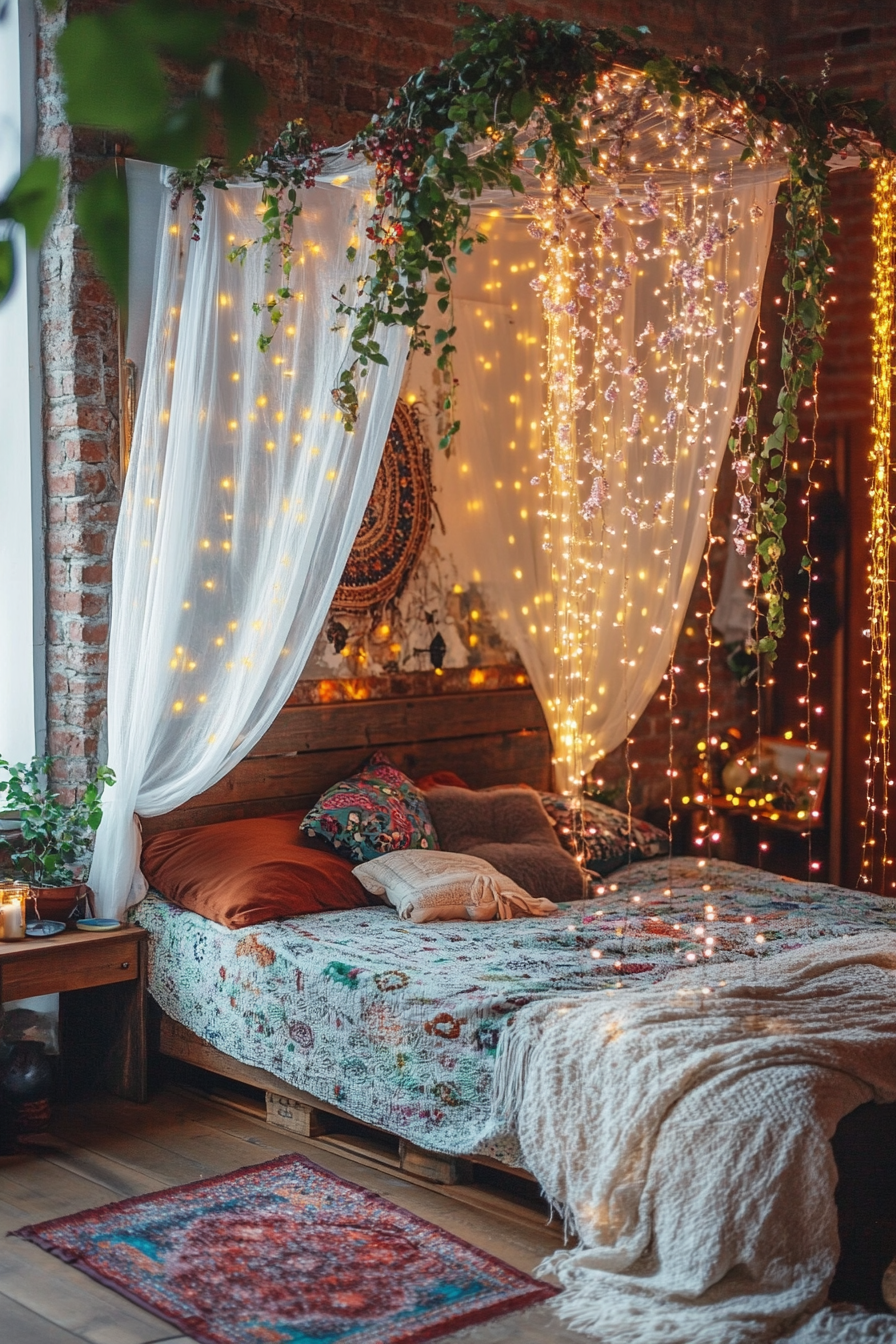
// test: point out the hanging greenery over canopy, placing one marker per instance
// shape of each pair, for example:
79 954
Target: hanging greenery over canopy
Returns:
559 103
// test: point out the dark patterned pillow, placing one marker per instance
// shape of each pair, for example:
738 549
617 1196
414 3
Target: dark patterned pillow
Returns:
605 838
373 812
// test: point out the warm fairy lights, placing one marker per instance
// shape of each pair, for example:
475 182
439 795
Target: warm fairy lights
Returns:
567 534
632 403
875 858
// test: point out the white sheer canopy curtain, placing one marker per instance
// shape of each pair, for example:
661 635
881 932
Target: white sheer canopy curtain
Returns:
679 376
242 500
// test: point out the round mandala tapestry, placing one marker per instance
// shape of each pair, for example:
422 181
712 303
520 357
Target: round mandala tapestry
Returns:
396 521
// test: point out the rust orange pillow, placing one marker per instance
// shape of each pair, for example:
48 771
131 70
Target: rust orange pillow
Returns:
440 779
239 873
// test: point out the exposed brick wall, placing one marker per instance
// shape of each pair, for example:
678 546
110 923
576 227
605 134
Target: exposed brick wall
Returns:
859 38
352 54
79 352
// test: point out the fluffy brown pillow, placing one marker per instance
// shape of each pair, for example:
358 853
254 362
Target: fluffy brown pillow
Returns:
239 873
511 830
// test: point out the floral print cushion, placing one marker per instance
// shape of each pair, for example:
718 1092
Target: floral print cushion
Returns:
373 812
604 834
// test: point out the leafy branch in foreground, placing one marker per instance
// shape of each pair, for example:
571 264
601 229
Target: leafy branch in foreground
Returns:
114 69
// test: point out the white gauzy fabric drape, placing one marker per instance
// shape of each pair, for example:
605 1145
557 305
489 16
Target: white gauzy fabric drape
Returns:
242 500
647 557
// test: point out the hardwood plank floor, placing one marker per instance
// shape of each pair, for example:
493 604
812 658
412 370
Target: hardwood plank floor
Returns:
105 1149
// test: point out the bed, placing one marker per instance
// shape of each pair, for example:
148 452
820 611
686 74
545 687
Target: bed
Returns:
397 1025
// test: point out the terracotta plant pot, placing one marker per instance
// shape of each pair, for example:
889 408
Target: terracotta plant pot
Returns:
62 903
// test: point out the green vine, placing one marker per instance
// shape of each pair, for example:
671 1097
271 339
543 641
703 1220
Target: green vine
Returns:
516 78
283 172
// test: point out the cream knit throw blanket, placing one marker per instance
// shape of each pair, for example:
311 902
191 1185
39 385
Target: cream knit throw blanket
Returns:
685 1138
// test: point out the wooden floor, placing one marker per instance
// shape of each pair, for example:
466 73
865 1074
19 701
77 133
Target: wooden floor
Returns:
104 1149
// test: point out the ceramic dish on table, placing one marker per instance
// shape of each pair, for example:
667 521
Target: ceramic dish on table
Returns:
44 928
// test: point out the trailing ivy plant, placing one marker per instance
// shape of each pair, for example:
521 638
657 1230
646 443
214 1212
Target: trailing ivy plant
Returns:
521 81
56 837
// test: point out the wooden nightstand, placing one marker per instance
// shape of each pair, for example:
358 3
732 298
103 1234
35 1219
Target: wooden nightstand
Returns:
102 978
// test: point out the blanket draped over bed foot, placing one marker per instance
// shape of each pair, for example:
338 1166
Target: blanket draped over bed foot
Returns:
685 1137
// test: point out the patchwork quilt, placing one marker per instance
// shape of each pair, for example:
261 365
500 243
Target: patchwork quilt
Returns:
398 1024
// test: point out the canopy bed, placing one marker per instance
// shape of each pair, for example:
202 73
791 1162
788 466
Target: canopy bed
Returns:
595 244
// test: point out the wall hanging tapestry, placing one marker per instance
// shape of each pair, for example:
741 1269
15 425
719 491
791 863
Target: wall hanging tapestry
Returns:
396 521
286 1250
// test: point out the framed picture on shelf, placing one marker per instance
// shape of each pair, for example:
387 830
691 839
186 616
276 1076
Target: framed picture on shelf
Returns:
790 778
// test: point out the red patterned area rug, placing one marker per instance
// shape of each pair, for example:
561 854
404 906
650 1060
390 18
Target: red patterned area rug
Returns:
287 1253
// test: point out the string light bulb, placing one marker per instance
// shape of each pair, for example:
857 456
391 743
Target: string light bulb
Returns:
881 535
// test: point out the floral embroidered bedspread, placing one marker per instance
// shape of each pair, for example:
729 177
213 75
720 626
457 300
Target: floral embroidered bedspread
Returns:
398 1023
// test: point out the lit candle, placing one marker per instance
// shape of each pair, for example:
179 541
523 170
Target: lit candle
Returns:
12 913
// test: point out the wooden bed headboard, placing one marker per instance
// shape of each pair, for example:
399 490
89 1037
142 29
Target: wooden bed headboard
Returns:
485 736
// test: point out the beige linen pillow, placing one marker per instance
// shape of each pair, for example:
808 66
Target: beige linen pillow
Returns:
424 885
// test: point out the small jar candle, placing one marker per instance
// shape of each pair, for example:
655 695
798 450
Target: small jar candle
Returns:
12 912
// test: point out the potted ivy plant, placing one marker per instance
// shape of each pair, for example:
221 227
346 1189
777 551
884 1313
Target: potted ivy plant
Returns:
50 849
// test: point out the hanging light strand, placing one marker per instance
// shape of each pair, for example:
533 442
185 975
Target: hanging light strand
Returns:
812 710
881 536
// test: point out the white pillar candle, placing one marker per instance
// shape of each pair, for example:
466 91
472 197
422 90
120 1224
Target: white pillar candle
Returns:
12 919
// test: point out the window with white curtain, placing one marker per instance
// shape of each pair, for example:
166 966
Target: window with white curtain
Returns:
22 712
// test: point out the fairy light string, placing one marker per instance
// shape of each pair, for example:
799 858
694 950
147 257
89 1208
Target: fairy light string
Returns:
812 710
626 409
875 859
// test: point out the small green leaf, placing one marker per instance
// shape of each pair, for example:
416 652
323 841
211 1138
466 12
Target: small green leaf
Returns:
101 212
522 105
7 266
32 199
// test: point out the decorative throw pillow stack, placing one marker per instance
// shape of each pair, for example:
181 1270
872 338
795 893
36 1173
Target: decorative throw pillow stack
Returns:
446 851
382 820
434 850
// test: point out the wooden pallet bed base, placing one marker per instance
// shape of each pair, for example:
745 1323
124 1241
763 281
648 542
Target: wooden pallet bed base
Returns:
298 1112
